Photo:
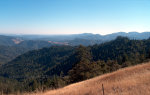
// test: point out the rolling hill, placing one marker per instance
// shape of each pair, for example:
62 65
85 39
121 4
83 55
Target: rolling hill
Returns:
7 53
11 47
6 40
35 63
128 81
56 59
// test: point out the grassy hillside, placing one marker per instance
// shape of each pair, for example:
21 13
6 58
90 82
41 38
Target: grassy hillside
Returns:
128 81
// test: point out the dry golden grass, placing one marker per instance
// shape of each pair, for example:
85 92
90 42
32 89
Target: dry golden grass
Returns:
128 81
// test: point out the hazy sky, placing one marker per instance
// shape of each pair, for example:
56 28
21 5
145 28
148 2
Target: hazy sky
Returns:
74 16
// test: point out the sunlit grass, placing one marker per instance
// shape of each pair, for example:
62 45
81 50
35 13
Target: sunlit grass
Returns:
129 81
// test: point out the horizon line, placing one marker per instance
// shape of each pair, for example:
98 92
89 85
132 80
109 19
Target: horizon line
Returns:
68 33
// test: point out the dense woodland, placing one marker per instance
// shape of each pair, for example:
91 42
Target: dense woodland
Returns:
58 66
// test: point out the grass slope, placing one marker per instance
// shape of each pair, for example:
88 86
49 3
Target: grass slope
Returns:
128 81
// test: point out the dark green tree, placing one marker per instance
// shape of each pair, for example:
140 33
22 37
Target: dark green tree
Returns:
83 65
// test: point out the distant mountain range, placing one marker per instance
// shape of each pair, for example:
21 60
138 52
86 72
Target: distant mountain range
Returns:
14 45
89 36
73 39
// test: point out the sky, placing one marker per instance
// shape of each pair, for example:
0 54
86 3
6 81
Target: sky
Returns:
74 16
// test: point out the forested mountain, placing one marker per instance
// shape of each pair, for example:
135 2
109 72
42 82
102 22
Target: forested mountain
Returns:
11 47
7 53
6 40
48 59
121 49
35 63
60 65
60 57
